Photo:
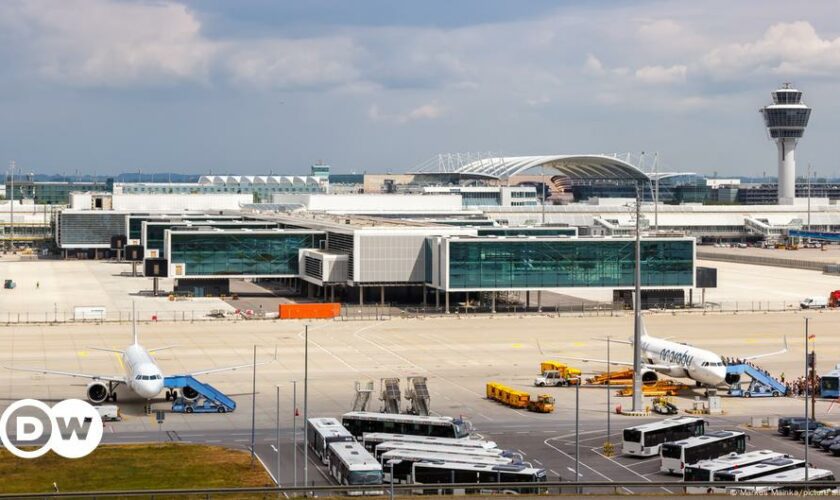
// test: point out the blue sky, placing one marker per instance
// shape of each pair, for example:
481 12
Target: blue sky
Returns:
262 86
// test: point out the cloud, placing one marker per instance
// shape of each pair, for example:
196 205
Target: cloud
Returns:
661 75
429 111
784 49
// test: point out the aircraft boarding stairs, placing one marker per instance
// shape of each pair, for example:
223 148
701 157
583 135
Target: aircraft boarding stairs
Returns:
760 384
186 382
418 394
362 398
390 395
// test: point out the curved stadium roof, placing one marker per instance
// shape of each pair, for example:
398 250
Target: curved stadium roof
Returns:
573 166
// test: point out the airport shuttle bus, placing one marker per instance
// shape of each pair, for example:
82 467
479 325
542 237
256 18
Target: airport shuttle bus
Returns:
323 431
644 440
361 422
830 385
757 471
449 450
429 473
677 455
402 470
350 463
788 476
371 439
705 470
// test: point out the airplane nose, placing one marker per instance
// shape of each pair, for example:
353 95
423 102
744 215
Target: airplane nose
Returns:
150 389
720 373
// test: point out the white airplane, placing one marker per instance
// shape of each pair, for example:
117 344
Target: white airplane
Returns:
142 375
681 360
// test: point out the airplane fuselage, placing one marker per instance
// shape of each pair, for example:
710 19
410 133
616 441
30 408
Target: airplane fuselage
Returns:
684 361
142 374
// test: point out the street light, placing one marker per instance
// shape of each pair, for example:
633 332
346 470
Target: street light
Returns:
294 430
807 423
277 436
305 402
392 463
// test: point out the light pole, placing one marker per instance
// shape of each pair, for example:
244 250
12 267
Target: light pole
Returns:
577 433
807 423
254 407
305 403
277 436
294 430
637 307
392 463
609 389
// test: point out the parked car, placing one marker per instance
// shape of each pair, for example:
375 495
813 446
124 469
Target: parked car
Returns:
827 434
797 428
785 423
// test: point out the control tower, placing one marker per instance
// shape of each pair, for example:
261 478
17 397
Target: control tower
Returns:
786 120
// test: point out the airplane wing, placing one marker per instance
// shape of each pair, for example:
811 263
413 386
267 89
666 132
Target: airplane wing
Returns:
156 349
227 368
621 363
758 356
105 349
107 378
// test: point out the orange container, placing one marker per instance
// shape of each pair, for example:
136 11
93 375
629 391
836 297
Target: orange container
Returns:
309 311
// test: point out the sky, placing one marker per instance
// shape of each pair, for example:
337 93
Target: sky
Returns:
272 86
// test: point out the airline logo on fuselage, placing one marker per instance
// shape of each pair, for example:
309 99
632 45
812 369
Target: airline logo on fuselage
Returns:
675 357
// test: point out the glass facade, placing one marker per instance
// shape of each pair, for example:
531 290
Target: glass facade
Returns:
528 231
232 254
572 263
155 230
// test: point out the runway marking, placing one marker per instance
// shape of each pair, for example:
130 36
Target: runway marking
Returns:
558 450
275 449
516 346
377 344
82 354
537 462
319 346
485 416
119 358
522 453
635 463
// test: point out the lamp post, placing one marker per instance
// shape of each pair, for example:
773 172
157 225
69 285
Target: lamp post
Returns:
254 407
637 307
392 463
294 431
305 402
807 423
609 389
277 437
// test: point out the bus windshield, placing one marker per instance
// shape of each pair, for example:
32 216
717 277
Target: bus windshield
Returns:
365 477
632 435
830 383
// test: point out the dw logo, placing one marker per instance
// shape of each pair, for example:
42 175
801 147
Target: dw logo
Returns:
75 428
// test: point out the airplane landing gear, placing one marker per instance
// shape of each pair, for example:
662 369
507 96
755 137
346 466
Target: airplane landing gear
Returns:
112 392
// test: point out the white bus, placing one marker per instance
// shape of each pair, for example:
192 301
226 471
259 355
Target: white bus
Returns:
371 439
704 470
793 475
428 473
361 422
449 450
757 471
350 463
676 455
323 431
644 440
402 470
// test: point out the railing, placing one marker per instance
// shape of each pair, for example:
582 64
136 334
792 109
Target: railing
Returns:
546 488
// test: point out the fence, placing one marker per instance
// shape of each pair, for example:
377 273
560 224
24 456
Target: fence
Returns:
622 488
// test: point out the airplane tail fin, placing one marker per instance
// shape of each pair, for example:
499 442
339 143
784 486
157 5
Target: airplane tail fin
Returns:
134 322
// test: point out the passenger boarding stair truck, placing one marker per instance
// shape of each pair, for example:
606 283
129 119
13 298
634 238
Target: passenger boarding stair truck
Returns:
761 384
418 394
362 398
196 394
390 395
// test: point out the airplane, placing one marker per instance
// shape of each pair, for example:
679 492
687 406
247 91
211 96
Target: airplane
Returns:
142 375
662 356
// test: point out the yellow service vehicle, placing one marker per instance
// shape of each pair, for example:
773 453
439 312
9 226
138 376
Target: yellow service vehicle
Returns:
556 373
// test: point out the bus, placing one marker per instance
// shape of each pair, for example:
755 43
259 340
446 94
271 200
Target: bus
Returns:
350 463
402 470
788 476
361 422
371 439
758 470
644 440
449 450
830 385
676 455
704 470
428 473
323 431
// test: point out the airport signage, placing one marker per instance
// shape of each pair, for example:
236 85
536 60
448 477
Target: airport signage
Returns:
71 428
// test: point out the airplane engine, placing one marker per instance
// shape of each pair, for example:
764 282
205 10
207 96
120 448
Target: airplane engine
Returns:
649 377
97 392
189 393
732 378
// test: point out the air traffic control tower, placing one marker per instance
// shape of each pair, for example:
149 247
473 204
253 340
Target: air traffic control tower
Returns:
786 120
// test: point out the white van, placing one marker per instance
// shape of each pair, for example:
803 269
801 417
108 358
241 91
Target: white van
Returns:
814 303
109 413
